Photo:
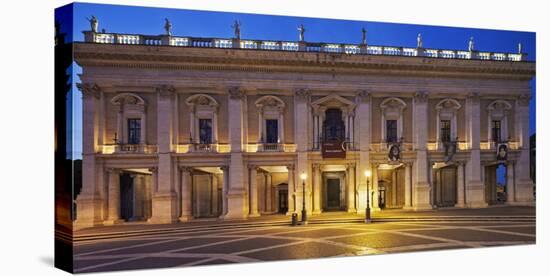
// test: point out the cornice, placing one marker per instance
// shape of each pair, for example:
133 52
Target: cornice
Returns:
155 57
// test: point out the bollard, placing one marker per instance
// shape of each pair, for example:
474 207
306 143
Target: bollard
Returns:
294 219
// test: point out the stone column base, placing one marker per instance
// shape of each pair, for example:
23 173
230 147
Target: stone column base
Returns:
352 210
185 218
235 207
460 205
88 212
424 206
316 212
164 208
254 215
113 222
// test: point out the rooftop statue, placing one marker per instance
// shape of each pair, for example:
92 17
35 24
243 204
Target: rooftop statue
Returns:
301 31
471 44
168 26
419 41
94 23
237 28
364 39
519 48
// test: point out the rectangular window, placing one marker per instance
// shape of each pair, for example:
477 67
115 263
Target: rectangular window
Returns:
495 131
272 131
391 131
445 129
134 131
205 131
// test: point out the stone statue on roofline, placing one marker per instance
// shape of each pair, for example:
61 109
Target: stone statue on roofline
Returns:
301 30
237 29
419 41
471 44
167 26
519 48
364 39
94 23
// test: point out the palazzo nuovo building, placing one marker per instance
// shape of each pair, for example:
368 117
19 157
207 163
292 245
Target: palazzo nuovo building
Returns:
183 128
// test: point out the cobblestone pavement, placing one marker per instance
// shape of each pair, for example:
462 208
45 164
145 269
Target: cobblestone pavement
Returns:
186 245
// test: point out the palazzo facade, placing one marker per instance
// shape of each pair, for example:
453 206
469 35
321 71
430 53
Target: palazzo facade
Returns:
176 128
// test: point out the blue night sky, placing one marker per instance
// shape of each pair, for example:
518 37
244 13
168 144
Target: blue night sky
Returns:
146 20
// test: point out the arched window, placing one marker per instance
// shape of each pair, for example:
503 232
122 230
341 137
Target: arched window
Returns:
203 125
497 121
392 119
131 119
446 123
270 120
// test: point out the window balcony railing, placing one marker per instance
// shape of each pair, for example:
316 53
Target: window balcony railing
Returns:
293 46
271 147
128 148
197 147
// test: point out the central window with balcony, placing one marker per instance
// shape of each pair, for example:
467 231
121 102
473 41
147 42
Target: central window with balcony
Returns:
445 130
391 131
272 131
205 131
495 131
134 131
334 128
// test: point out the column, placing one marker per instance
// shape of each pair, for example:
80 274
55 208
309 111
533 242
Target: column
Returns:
316 188
363 112
523 183
236 195
142 134
89 202
421 183
301 138
510 183
268 188
408 187
253 172
186 183
373 189
281 126
350 189
261 137
165 199
460 202
120 125
225 181
114 197
291 190
475 188
352 130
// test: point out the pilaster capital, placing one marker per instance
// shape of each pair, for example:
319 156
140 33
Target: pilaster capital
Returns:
290 167
523 99
153 169
363 96
253 167
236 93
225 169
420 96
350 165
89 90
186 169
165 92
113 170
473 96
302 94
316 166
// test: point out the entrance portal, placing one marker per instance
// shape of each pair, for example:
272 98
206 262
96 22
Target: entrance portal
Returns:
495 184
283 198
445 187
334 199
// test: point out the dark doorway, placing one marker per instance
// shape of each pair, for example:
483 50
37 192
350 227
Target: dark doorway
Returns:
126 197
445 187
495 184
381 195
283 201
272 131
333 194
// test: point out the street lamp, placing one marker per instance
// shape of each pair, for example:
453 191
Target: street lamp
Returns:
367 212
303 176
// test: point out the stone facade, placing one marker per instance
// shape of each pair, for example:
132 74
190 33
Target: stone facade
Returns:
237 175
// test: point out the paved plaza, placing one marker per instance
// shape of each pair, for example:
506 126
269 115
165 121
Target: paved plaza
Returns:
272 238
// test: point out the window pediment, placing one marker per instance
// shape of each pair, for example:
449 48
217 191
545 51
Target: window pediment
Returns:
270 104
201 100
127 99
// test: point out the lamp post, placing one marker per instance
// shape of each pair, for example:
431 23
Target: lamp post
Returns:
367 212
303 176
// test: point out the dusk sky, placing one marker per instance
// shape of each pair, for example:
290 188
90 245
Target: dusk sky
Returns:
142 20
